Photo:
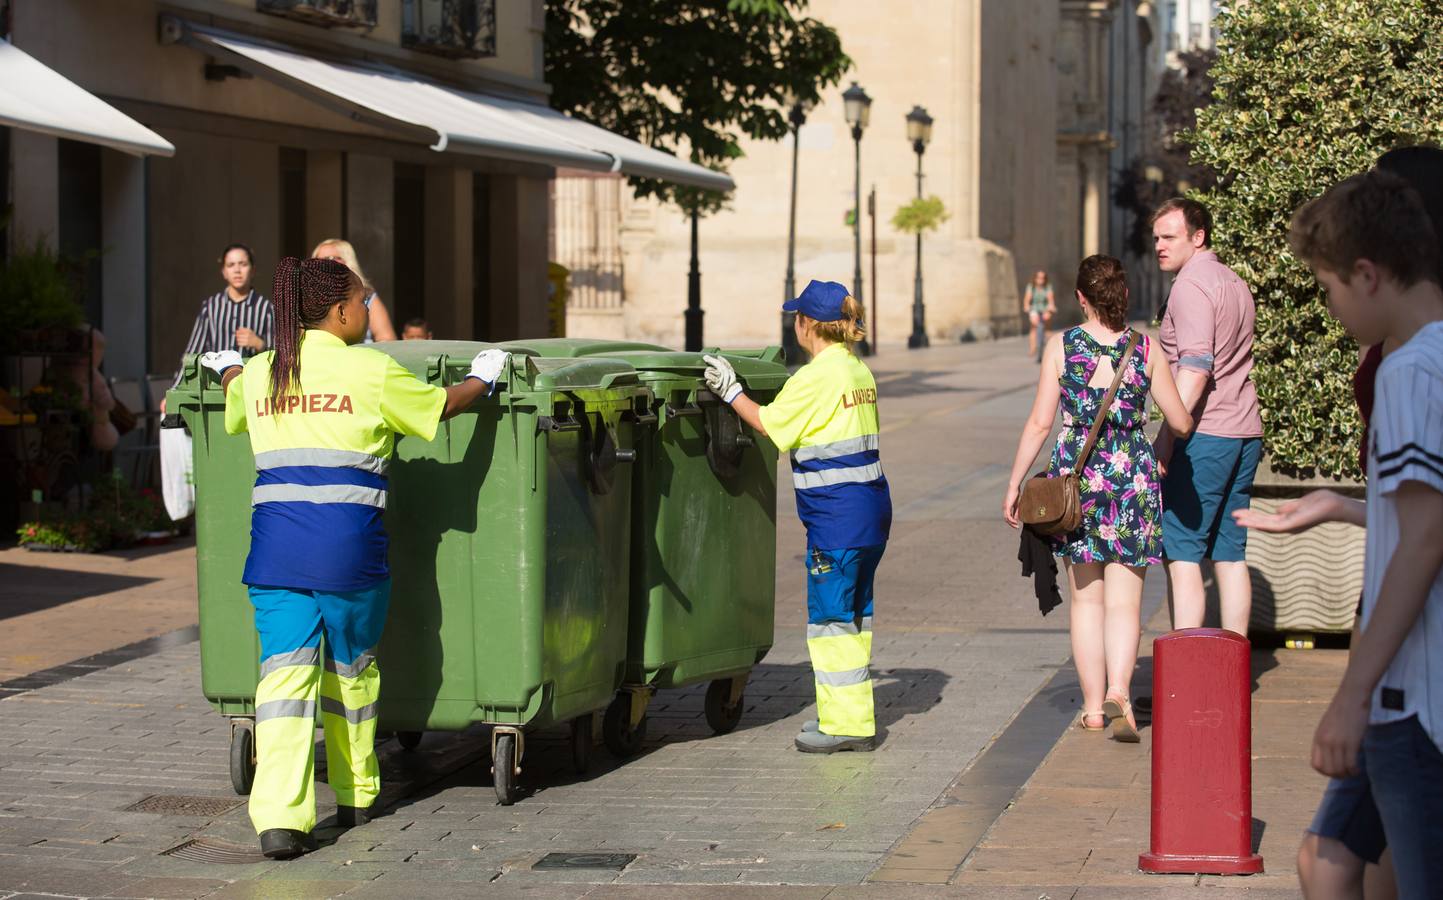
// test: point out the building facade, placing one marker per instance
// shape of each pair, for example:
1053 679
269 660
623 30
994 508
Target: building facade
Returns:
294 121
1036 104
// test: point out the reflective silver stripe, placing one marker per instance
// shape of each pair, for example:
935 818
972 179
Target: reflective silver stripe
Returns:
831 629
332 459
854 475
354 669
843 679
306 656
354 716
318 493
285 709
837 448
866 623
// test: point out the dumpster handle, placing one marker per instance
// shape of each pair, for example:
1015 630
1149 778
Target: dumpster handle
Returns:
625 456
554 424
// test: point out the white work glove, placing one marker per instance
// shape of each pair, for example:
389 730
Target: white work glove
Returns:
721 378
220 360
487 366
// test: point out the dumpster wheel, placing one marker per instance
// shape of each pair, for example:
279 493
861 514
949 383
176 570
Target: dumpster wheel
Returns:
622 737
242 755
409 740
724 704
582 737
504 768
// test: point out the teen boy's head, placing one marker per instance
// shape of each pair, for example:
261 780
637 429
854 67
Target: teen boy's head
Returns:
1368 239
416 330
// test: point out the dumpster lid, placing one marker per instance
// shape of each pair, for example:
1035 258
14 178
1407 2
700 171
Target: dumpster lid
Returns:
534 372
572 347
752 367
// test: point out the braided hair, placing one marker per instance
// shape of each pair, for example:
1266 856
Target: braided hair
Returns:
304 292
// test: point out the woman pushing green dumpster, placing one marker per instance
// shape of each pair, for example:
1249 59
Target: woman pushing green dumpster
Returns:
322 417
826 415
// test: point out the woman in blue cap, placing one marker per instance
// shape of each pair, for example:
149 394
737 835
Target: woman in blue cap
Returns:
826 415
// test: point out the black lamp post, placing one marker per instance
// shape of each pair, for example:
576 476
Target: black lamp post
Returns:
790 351
858 111
919 132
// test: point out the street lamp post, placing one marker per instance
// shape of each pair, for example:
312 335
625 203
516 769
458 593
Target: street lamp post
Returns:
790 351
858 107
919 132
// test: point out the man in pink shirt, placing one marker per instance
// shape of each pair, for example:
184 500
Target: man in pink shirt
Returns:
1207 334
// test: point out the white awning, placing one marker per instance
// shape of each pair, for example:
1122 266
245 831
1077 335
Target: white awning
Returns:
447 118
35 97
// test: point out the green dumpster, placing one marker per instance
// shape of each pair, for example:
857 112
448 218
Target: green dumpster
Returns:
702 479
509 554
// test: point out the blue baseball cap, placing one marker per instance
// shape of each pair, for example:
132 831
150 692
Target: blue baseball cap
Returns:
820 300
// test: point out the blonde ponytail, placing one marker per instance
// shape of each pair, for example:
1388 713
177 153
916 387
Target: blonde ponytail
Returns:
849 329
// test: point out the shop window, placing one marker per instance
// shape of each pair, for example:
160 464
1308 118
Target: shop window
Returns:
79 209
293 203
454 28
408 266
348 13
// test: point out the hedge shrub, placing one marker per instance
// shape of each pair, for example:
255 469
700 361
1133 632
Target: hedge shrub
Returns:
1308 92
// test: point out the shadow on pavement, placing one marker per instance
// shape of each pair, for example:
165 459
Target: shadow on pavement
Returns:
28 589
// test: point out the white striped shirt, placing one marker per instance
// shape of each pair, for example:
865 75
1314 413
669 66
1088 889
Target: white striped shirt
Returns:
1406 445
220 316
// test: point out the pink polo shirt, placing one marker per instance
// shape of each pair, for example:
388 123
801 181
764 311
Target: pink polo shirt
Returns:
1208 327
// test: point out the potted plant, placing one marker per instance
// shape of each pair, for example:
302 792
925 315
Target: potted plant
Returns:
1274 150
42 536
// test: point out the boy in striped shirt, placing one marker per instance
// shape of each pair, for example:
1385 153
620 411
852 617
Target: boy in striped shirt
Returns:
1374 250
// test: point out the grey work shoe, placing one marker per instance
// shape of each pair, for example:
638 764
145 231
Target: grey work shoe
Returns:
817 742
811 725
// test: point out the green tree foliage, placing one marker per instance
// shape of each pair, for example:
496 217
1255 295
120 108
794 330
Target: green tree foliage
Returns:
688 76
922 214
1308 92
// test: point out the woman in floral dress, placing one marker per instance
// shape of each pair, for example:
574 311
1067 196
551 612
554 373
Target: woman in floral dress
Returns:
1121 530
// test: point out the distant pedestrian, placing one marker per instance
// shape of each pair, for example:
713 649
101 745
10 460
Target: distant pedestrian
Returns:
1374 249
318 549
1039 306
416 330
1207 334
1122 531
381 328
237 317
826 415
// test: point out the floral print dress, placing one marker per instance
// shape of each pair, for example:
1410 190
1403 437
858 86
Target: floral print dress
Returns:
1121 499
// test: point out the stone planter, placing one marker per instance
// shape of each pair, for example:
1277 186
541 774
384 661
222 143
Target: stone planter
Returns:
1307 583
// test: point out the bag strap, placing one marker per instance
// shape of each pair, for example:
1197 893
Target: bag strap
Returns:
1106 407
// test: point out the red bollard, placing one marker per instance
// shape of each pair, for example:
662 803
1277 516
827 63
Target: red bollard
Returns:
1202 773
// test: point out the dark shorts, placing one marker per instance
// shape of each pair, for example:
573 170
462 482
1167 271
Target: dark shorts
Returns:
1208 478
1406 776
1349 815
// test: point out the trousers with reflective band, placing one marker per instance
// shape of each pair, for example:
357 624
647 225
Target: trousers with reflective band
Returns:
839 636
302 673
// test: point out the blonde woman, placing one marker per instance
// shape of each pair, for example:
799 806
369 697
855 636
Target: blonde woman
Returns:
381 328
1039 305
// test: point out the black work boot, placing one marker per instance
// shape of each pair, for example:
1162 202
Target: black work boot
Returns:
351 816
285 843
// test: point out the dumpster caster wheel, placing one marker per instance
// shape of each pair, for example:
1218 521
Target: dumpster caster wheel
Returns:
1299 642
409 740
616 730
581 740
722 715
242 758
503 769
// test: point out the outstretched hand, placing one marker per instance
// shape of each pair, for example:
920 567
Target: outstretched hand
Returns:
1295 515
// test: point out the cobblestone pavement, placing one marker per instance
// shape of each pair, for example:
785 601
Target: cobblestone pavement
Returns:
959 650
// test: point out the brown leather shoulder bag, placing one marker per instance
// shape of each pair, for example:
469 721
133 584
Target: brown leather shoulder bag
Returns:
1053 505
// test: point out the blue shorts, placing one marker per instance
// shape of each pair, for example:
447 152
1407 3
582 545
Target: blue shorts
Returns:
840 584
1208 478
1349 815
1406 775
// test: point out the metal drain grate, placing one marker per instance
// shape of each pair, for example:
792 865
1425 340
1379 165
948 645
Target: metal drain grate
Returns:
181 805
617 861
210 850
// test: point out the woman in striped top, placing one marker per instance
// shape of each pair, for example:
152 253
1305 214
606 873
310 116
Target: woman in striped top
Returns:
236 318
381 327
